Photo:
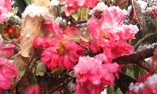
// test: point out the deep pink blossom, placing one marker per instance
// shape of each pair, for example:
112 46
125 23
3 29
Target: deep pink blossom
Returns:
61 51
110 33
5 7
32 89
5 50
7 69
92 75
7 72
147 87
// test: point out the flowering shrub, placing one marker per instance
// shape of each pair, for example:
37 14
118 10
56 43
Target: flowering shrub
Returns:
78 46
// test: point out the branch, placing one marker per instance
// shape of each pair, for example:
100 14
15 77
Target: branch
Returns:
138 57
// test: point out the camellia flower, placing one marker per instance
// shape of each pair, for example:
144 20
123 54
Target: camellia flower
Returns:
110 33
7 72
7 69
32 89
149 86
5 7
92 76
72 5
61 51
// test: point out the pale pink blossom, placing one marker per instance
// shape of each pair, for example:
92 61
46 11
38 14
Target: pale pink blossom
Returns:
149 86
5 7
92 76
61 51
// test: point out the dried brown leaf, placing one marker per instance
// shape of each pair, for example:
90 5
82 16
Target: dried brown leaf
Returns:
20 62
40 69
41 3
121 3
30 30
138 13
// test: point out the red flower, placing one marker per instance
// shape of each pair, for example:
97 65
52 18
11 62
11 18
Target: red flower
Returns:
60 50
32 89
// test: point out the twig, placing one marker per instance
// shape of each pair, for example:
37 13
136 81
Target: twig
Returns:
138 57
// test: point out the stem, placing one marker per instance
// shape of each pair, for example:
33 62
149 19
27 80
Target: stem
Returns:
138 57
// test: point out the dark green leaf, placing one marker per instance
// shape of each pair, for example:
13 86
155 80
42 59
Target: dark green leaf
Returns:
21 4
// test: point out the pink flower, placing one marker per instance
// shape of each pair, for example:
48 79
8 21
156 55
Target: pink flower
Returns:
5 50
5 7
60 50
7 70
72 5
92 75
147 87
32 89
110 33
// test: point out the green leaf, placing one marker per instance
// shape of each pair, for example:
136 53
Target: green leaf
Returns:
136 71
142 72
151 20
83 13
76 15
21 73
28 2
1 28
21 4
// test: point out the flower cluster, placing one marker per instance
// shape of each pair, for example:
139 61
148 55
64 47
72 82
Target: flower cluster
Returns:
92 76
61 51
107 32
110 34
5 7
149 86
7 69
72 5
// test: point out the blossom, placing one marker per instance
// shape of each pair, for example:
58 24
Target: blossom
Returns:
7 72
149 86
72 5
5 7
61 51
110 33
92 75
6 50
7 69
32 89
